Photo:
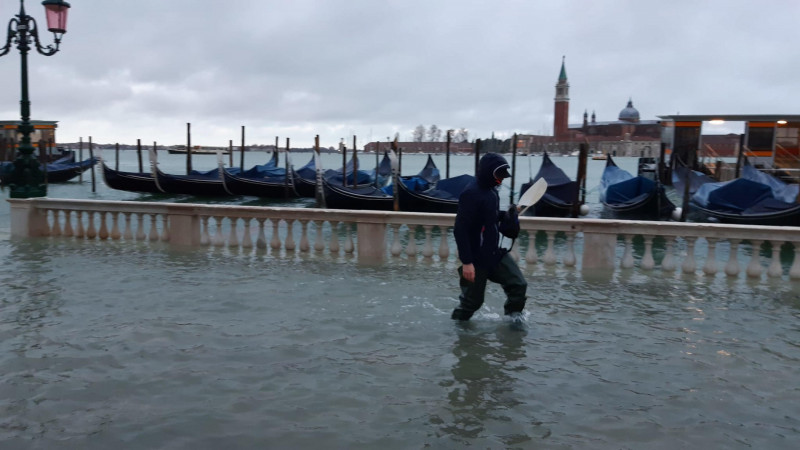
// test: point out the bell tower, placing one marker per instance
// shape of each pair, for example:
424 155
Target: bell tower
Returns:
560 122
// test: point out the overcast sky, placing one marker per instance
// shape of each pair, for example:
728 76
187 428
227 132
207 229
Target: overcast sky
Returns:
336 68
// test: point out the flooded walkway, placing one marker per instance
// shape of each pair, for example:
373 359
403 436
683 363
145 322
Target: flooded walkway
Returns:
124 343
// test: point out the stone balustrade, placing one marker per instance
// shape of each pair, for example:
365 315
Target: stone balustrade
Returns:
594 245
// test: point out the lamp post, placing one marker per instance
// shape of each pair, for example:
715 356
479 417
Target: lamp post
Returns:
27 179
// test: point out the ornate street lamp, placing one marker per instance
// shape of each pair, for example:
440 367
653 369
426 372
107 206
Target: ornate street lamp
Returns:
27 179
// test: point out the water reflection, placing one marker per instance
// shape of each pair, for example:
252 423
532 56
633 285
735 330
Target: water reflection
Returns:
482 397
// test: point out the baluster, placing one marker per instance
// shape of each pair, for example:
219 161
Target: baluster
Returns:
444 246
233 238
411 248
531 257
627 256
261 241
68 232
775 269
349 246
334 245
217 240
569 258
689 264
668 263
103 233
794 271
396 248
710 267
140 236
46 214
754 267
55 230
91 232
153 236
427 247
247 239
319 243
304 245
550 252
164 228
648 263
290 244
115 234
732 268
205 237
275 242
80 232
128 234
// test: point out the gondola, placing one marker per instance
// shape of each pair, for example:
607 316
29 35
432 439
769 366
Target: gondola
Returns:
305 179
634 197
367 197
258 185
696 179
197 185
756 198
130 181
372 198
561 193
265 180
383 173
349 176
60 171
429 172
441 198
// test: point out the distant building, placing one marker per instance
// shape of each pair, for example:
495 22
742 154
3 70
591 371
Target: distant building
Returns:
43 130
421 147
626 136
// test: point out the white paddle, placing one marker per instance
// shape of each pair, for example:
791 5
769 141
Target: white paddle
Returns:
532 195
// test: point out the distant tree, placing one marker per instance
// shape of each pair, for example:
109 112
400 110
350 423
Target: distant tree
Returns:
461 135
419 134
397 136
434 134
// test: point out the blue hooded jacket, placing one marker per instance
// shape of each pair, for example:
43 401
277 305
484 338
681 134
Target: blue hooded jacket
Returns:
476 228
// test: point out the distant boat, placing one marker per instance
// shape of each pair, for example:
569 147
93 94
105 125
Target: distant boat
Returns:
636 197
198 151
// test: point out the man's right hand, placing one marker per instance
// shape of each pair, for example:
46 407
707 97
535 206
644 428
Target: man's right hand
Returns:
468 272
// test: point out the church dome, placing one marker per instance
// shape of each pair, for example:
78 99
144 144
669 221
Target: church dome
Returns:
629 113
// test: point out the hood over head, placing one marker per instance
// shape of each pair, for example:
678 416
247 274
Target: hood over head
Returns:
492 167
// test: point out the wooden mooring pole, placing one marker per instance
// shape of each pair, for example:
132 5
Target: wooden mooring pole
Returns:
91 156
188 148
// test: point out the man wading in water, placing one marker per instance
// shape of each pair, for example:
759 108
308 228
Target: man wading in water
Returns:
479 223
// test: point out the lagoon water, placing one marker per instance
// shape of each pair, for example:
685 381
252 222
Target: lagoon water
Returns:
137 346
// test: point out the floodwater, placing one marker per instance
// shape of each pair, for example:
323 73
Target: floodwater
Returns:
136 346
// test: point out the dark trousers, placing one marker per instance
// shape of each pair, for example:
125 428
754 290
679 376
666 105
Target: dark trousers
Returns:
506 274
